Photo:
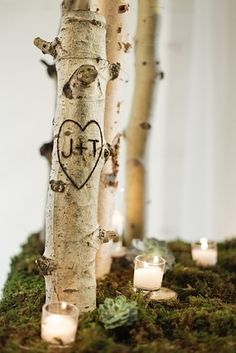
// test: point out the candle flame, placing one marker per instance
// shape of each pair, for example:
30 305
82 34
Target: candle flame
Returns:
63 305
204 243
145 264
155 259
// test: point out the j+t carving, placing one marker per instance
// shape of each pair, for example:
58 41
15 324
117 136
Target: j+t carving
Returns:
80 147
76 146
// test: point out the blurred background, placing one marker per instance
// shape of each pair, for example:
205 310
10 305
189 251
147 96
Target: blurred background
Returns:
192 149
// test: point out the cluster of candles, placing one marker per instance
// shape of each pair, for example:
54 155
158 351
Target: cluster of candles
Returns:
60 319
149 270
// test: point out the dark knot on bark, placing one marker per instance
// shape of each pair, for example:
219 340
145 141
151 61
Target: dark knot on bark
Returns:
57 186
80 80
106 235
46 266
87 74
114 70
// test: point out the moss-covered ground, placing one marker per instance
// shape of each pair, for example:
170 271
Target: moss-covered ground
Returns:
203 319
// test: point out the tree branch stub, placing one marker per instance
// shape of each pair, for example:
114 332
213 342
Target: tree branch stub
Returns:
46 47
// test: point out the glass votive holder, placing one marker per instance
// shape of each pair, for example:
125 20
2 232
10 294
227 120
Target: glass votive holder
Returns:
59 323
148 272
204 253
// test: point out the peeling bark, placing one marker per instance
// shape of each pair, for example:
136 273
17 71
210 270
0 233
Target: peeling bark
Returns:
139 124
117 14
72 233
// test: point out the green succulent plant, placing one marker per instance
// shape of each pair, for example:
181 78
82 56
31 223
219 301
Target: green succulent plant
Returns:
117 312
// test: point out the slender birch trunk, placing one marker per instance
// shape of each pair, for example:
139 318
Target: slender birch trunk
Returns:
72 233
139 125
117 14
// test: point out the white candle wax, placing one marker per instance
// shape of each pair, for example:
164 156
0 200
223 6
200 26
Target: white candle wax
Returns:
103 259
58 329
118 250
204 257
148 278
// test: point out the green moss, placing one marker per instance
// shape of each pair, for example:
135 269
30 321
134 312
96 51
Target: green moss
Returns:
207 283
202 320
23 296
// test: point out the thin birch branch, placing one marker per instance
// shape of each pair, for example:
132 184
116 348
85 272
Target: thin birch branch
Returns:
117 14
140 121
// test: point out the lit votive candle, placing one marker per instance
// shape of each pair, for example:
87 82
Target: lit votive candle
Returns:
204 253
148 272
59 323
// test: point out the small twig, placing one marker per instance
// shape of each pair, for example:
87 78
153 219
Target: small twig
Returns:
46 151
51 69
46 47
24 347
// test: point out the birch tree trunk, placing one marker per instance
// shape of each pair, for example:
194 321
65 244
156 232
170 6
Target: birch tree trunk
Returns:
139 124
72 233
117 14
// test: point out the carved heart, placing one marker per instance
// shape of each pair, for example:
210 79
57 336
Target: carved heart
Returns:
79 150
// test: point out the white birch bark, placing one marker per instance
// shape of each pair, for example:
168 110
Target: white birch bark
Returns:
117 15
139 124
72 231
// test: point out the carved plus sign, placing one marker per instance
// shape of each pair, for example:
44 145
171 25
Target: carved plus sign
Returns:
81 148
